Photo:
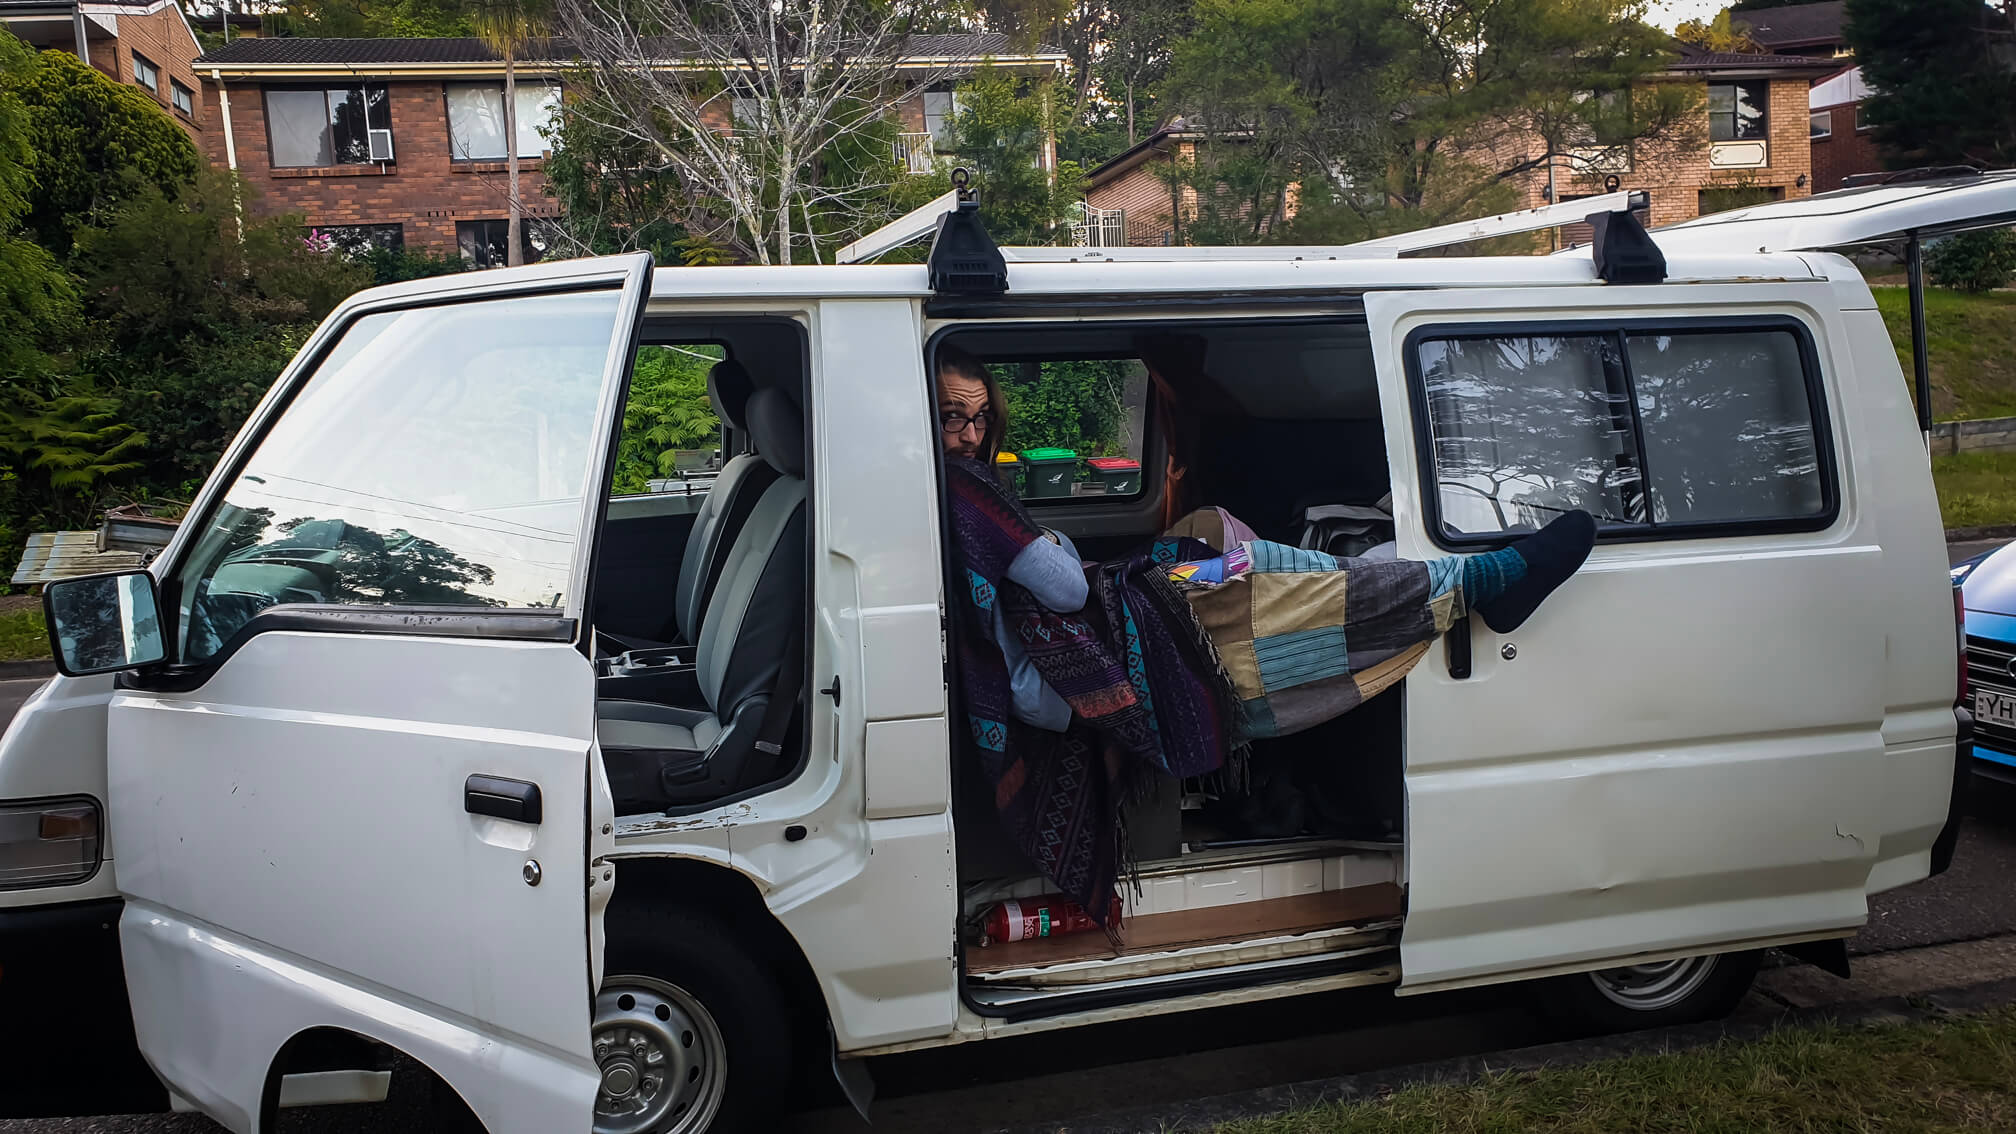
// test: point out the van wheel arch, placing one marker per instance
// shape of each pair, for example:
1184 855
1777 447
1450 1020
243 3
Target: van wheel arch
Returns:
415 1084
648 888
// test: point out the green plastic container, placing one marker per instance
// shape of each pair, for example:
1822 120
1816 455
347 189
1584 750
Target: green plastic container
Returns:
1051 472
1120 475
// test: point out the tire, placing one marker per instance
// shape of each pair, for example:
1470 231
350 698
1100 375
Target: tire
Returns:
690 1033
1663 993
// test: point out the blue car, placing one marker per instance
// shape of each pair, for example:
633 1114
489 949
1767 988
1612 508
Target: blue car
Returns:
1988 589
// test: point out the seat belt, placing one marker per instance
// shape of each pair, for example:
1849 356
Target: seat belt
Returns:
790 682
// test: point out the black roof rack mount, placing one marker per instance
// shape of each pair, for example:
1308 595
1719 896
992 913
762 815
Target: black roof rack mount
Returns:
1624 251
965 260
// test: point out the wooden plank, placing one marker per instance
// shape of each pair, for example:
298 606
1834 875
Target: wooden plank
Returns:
1243 921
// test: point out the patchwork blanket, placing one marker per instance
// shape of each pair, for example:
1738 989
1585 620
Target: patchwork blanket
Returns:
1306 636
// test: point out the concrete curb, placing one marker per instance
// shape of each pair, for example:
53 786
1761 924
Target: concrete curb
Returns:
18 670
1975 535
1203 1114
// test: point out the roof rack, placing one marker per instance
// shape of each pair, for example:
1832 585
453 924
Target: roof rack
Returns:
925 220
1902 176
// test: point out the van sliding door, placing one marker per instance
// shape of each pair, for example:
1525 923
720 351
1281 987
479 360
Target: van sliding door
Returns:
1683 750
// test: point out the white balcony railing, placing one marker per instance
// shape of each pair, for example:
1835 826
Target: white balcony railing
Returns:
914 152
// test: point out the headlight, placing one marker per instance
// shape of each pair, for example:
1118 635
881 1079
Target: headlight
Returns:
51 842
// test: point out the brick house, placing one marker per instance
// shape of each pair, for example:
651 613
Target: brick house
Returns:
1755 148
399 142
1842 145
145 44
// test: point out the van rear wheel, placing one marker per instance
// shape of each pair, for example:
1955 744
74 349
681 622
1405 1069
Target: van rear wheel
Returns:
690 1036
1686 990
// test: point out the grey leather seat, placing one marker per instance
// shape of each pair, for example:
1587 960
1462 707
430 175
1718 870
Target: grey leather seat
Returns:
740 484
754 622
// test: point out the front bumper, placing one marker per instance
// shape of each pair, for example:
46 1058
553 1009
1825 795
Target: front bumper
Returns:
67 1047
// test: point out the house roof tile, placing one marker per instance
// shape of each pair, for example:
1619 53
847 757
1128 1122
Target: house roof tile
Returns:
284 51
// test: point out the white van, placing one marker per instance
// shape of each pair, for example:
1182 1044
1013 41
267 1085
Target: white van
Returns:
341 765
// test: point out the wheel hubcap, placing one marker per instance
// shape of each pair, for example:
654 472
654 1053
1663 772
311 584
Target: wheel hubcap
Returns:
661 1057
1650 987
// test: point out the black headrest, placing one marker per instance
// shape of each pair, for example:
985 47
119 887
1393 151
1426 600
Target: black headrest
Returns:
729 387
779 429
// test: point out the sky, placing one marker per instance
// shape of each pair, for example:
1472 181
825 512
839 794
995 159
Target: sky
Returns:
1667 13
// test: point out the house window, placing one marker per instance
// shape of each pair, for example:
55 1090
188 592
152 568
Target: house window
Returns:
483 243
940 107
1736 111
329 125
1820 124
476 119
745 112
353 240
1861 120
145 73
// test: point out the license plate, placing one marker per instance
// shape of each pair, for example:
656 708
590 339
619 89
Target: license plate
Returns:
1994 708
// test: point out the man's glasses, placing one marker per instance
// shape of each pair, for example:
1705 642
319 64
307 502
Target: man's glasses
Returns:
957 423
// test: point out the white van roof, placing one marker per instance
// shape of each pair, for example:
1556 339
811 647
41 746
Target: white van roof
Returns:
1868 214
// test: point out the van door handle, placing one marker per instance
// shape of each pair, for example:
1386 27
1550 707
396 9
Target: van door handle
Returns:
1457 642
503 798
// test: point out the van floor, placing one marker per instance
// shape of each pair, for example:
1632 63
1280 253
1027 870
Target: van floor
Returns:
1187 929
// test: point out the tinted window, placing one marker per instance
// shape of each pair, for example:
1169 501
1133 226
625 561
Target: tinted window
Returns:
1527 427
438 456
1736 111
1728 427
670 437
1524 427
1076 426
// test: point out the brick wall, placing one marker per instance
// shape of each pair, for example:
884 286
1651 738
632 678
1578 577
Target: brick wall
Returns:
1847 152
1144 196
424 190
164 40
1674 175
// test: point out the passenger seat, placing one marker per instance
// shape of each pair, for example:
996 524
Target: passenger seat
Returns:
664 755
726 508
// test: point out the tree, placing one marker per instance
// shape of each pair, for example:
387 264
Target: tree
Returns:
37 299
508 27
1974 261
775 127
668 411
1944 79
999 134
93 145
1723 33
1140 39
373 19
1391 114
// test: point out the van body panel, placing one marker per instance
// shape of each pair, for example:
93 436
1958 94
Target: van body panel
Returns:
304 810
55 746
245 1000
1684 747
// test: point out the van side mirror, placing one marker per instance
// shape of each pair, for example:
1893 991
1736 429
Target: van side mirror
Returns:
104 623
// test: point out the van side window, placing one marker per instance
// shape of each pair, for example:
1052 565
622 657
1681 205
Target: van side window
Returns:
437 456
1075 426
670 433
1657 431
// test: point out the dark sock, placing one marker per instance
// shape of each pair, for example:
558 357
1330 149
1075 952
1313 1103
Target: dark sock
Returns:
1552 554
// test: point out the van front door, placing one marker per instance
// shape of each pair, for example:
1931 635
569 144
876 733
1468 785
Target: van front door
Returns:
361 794
1683 748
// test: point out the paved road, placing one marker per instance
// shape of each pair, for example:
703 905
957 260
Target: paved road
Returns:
1054 1078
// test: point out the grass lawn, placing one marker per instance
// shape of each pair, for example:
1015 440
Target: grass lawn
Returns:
1944 1075
1972 346
1976 489
23 637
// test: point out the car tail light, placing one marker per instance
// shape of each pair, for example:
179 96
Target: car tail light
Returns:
1960 641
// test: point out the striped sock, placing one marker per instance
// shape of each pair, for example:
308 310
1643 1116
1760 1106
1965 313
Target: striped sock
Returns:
1487 576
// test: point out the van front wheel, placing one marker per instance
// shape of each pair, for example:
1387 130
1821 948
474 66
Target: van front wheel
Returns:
690 1036
1686 990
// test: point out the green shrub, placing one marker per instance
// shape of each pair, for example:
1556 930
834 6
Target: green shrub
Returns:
1974 261
395 265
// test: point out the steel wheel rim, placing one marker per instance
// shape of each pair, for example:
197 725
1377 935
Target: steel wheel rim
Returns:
1650 987
662 1060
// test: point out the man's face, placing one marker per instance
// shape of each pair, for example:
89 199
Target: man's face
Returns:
963 401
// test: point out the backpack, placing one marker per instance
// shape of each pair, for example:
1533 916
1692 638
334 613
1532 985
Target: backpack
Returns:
1348 531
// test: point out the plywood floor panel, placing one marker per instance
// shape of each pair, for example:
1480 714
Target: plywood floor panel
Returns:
1185 929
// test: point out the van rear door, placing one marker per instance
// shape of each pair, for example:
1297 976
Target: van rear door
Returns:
359 795
1683 749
